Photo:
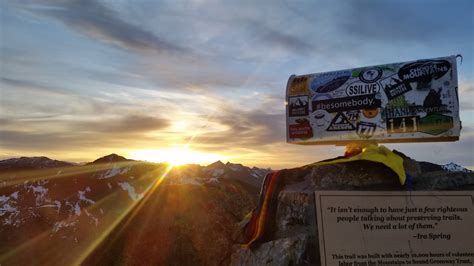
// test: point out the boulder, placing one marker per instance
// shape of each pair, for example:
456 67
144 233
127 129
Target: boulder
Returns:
292 237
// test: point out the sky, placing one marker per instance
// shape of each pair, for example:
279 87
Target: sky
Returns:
82 79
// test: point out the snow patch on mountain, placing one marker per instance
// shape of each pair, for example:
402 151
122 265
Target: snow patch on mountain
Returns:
56 204
77 209
217 172
82 196
39 190
453 167
131 190
213 180
8 210
236 167
115 170
260 172
94 219
255 175
63 224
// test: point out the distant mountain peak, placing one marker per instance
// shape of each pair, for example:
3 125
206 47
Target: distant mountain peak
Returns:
35 162
217 164
111 158
453 167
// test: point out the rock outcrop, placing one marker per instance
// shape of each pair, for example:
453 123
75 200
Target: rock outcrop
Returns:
293 238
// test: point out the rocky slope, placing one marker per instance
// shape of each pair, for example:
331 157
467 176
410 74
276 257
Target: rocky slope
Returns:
125 212
293 238
120 211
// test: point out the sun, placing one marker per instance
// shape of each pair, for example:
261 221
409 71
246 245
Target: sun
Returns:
175 156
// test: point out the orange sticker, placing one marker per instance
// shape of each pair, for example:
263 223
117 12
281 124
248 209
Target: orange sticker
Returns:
370 113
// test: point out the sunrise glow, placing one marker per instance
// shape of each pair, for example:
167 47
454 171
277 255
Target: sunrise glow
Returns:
176 156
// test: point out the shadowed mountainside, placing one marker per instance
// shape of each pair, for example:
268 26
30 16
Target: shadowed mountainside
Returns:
120 211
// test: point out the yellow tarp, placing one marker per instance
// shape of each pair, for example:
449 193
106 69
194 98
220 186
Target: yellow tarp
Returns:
258 222
379 154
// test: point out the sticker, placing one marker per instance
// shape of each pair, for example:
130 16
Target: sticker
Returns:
414 110
421 86
340 123
319 96
301 130
394 87
298 86
353 115
424 70
330 81
321 119
370 75
298 106
359 88
446 94
366 130
370 113
398 112
435 124
347 103
403 124
433 98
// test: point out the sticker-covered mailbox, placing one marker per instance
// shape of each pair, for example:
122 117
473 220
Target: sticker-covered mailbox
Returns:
401 102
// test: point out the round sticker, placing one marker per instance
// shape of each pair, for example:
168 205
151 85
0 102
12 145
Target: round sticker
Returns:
329 82
370 75
320 119
370 113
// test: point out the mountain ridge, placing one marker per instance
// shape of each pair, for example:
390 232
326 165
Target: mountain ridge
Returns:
110 158
156 214
72 206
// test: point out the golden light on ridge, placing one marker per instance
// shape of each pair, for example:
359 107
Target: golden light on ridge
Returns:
175 156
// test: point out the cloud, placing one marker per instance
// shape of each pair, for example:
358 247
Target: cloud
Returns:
20 140
35 99
30 85
244 129
405 21
124 125
271 37
466 106
76 135
466 93
98 21
184 63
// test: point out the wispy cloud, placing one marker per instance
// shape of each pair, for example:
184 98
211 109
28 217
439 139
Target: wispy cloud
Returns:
405 21
97 20
127 124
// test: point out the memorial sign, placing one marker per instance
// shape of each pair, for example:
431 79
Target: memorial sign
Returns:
395 228
401 102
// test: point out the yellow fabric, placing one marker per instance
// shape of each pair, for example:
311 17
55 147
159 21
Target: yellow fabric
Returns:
379 154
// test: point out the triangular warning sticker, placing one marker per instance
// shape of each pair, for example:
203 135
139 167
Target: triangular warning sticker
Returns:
340 123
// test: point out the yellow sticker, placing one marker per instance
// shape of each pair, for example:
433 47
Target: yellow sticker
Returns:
299 86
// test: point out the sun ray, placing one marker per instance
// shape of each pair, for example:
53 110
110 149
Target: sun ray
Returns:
18 177
128 212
